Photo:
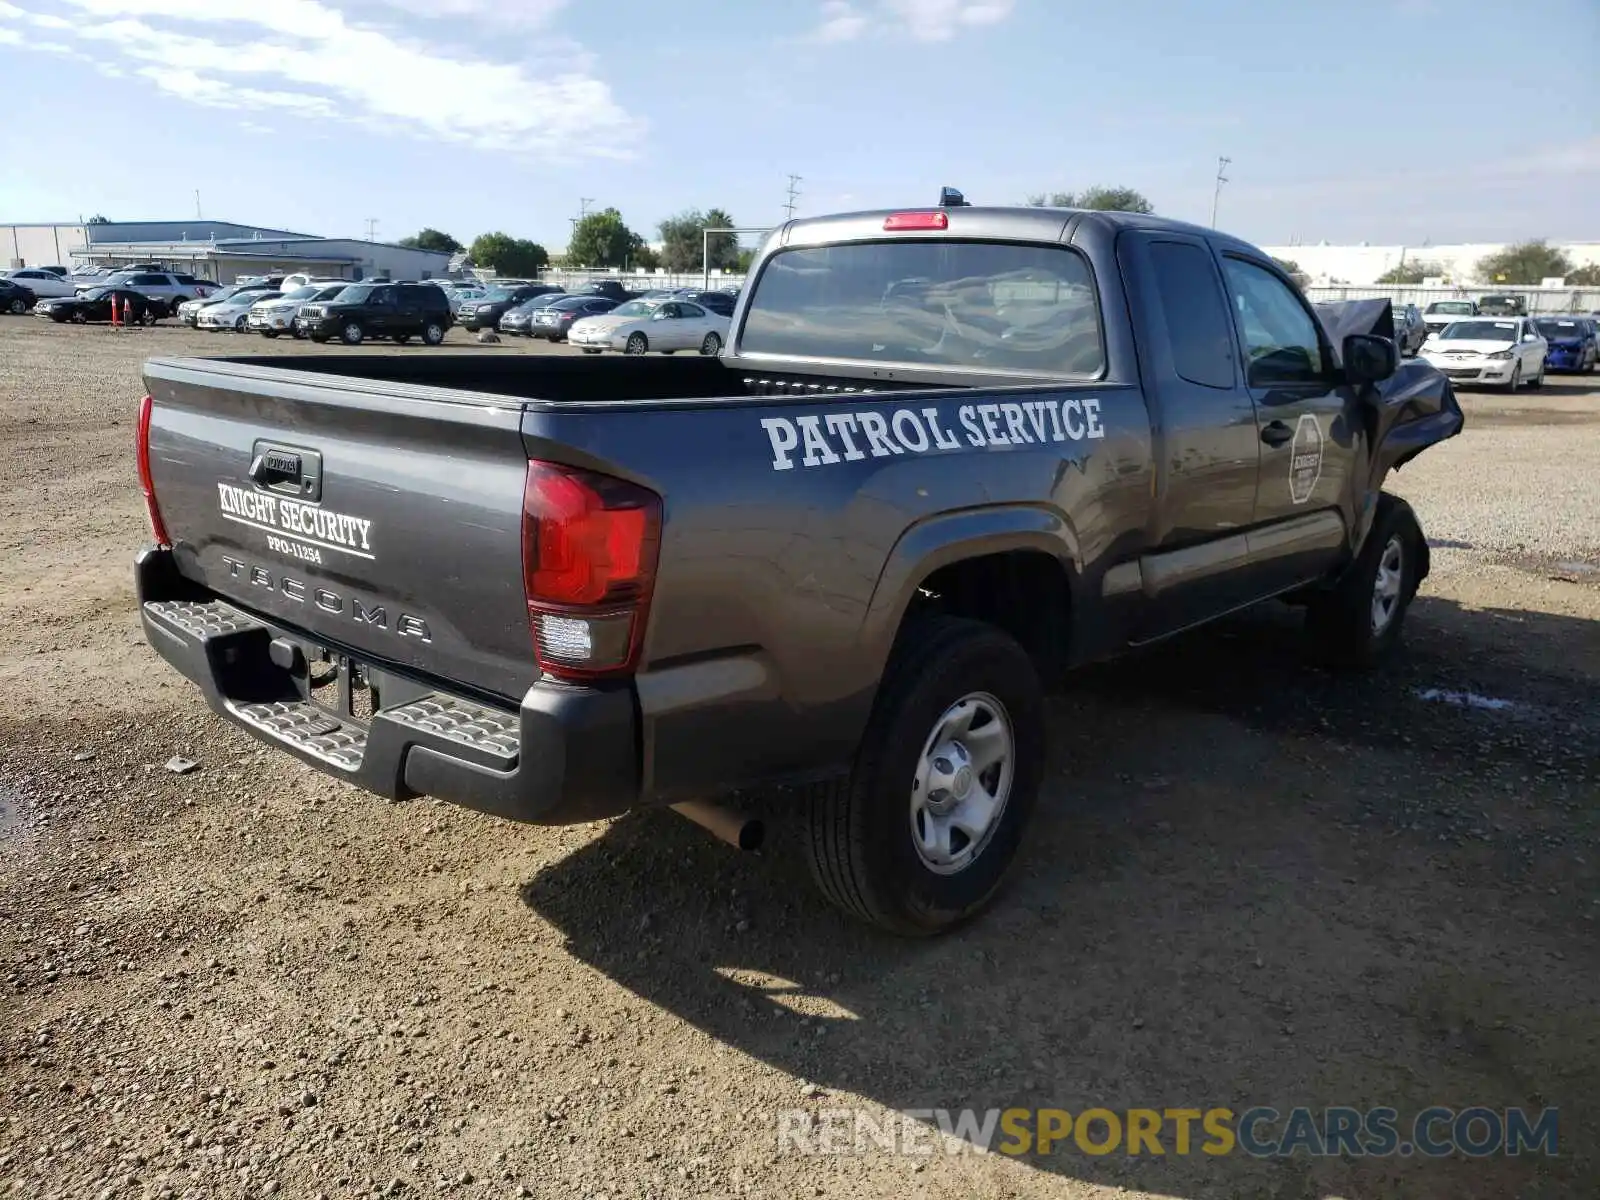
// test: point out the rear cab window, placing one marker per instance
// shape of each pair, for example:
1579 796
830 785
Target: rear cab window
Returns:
984 306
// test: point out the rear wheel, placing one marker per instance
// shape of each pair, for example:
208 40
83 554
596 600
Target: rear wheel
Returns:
17 306
1358 623
79 317
711 345
352 333
921 835
432 333
637 344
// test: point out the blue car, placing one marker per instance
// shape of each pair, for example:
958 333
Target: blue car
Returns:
1573 343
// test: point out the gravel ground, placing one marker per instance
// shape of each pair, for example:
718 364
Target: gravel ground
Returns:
1250 883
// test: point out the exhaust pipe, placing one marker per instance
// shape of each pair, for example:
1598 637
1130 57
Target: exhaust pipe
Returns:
738 830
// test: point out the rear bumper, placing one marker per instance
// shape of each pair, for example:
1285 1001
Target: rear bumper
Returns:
1567 360
565 754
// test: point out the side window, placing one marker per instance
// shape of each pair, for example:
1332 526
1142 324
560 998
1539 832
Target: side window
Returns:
382 295
691 310
670 311
1198 329
1280 338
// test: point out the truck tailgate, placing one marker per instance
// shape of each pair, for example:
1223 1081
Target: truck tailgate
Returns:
385 521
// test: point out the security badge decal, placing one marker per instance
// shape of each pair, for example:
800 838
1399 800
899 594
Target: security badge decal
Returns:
1305 459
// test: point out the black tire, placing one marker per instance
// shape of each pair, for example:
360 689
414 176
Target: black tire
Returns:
299 334
432 333
860 841
1538 380
1343 623
352 334
79 317
1514 384
711 345
17 307
242 324
400 339
637 343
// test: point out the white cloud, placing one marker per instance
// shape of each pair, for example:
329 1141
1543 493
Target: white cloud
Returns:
939 20
924 20
305 56
841 22
507 14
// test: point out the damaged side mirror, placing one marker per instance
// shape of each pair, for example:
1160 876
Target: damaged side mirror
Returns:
1369 358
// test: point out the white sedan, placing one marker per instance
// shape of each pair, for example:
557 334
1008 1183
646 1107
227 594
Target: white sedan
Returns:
234 312
1505 351
640 326
46 285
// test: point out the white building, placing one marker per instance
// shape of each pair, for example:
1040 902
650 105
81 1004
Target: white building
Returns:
1362 265
219 250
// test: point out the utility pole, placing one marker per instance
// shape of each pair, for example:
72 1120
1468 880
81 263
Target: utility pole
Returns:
197 215
372 229
1222 165
794 193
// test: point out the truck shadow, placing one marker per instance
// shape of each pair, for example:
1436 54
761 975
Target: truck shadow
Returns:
1249 884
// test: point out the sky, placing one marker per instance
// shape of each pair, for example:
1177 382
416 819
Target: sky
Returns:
1380 121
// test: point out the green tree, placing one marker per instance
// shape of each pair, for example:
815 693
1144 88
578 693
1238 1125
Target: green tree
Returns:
432 239
97 219
1288 266
516 257
1586 277
683 242
1102 199
602 240
1412 272
1524 263
645 259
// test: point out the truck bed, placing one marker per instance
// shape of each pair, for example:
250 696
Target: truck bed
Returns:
559 379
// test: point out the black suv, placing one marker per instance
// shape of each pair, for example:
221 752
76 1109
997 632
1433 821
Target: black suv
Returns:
398 311
486 313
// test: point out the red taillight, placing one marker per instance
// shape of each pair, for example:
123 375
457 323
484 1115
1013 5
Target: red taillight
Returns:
146 485
916 220
589 547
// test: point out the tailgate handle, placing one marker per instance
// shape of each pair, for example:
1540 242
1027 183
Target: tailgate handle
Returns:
293 472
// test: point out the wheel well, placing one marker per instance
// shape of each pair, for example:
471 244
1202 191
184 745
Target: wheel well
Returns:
1027 593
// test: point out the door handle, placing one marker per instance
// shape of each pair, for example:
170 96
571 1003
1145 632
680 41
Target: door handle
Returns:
1276 433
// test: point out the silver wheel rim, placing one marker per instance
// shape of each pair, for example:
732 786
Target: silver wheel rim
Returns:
433 333
711 345
1386 588
636 344
962 783
352 333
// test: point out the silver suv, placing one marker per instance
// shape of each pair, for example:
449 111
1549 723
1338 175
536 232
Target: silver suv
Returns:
171 288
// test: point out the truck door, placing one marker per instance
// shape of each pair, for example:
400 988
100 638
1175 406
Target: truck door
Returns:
1206 446
380 311
1305 417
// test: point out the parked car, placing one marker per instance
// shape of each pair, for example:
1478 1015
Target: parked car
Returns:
1503 305
43 284
274 315
609 288
234 312
497 301
570 593
722 304
1409 330
300 279
1571 342
1503 351
555 319
95 305
165 289
189 311
515 321
15 298
398 311
1445 312
641 326
60 272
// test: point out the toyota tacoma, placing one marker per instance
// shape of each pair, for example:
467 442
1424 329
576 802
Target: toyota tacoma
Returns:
945 455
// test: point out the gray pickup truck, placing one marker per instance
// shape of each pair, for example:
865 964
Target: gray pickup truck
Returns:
946 455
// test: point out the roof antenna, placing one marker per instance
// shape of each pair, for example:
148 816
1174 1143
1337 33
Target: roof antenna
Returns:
949 197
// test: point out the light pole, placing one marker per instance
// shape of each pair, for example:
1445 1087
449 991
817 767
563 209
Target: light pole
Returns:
1222 164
